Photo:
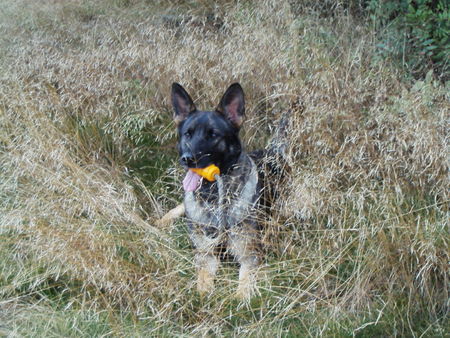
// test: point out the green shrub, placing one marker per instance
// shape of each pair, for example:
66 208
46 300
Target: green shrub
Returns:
415 33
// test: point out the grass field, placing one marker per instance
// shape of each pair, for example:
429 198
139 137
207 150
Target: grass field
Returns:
358 243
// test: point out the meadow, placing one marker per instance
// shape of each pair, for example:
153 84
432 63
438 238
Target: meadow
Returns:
356 245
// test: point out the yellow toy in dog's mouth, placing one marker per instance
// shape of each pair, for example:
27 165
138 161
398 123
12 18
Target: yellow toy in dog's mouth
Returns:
194 175
209 172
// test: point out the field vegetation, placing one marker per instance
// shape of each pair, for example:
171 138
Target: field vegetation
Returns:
358 242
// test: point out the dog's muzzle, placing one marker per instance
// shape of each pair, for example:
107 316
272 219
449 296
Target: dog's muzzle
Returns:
187 159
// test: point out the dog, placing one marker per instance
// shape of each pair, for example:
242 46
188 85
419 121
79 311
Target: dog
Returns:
224 213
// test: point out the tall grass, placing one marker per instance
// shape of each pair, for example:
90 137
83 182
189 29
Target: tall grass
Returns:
358 240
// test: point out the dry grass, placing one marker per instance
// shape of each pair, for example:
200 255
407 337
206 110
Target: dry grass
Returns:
358 244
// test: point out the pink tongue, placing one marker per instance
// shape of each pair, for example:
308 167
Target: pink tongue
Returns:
191 181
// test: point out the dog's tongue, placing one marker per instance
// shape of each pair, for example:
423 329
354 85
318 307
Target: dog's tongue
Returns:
191 181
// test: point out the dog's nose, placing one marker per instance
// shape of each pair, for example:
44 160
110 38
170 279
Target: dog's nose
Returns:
187 159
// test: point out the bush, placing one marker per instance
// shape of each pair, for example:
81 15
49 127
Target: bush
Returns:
415 33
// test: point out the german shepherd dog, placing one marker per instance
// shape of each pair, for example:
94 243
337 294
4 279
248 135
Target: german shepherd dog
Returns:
223 213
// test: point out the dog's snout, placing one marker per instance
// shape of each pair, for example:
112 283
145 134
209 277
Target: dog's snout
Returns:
187 159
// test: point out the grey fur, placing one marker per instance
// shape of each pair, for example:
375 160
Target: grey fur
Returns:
228 220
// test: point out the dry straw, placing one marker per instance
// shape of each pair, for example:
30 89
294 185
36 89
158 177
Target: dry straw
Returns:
359 236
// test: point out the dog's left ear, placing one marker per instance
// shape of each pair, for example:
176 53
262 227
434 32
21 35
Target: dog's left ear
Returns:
182 103
232 105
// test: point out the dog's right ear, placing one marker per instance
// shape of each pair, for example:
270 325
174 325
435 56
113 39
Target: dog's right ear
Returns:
182 103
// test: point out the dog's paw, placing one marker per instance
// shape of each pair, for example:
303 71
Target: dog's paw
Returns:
243 294
205 282
247 288
168 219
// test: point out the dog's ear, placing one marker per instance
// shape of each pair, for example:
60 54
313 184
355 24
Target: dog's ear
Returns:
182 103
232 105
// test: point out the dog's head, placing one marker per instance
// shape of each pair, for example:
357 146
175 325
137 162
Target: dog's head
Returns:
209 137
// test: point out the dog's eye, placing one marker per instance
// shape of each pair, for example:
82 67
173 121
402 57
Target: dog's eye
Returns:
212 133
188 133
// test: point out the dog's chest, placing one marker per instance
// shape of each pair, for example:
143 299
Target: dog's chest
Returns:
226 202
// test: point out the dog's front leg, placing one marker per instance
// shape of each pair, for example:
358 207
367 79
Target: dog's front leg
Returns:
206 261
247 277
244 246
207 265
